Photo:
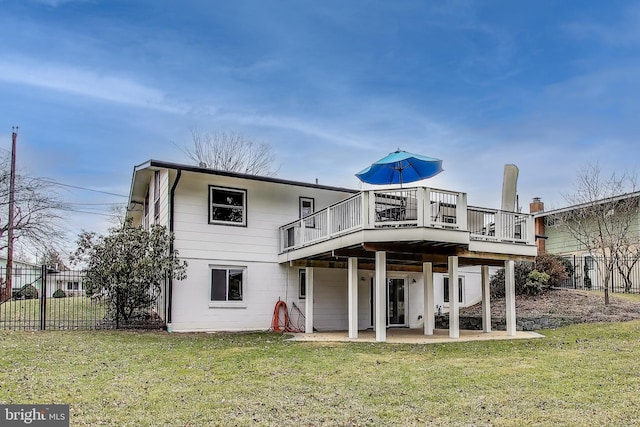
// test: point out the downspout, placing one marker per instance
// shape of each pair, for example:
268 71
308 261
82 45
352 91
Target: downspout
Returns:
171 204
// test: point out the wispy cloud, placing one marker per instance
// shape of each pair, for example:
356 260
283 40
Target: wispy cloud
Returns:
625 31
56 3
86 82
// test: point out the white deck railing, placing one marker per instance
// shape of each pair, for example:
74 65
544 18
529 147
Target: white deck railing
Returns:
493 225
411 207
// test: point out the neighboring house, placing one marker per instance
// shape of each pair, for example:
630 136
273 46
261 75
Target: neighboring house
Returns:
554 238
70 281
348 259
24 273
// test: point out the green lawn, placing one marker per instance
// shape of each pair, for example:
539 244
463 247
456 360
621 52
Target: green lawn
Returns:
61 313
627 297
586 374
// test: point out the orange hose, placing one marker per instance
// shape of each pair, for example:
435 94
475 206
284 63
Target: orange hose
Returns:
275 323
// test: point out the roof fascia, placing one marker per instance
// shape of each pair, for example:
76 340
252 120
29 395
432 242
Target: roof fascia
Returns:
152 164
582 205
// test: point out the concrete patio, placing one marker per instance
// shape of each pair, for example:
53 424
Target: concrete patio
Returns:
413 336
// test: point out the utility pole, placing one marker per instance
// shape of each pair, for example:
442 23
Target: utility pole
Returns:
12 183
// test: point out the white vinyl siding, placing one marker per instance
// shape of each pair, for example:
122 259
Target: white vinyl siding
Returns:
254 247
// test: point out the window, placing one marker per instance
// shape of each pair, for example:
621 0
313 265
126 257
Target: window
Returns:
156 196
145 219
306 209
227 206
227 284
291 237
446 289
302 284
551 221
72 286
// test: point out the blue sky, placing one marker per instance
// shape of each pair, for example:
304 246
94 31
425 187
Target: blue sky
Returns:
99 86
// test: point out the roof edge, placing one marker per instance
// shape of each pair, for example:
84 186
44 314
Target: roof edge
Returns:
196 169
581 205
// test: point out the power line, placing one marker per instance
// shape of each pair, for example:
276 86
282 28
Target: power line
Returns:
82 188
97 204
91 213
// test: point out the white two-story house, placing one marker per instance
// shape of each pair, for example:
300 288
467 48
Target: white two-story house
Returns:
348 259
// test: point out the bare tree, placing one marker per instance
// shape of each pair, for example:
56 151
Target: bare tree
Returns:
603 214
37 219
118 214
627 257
231 152
53 259
37 216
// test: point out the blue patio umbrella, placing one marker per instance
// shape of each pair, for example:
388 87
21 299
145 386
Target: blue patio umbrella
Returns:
400 166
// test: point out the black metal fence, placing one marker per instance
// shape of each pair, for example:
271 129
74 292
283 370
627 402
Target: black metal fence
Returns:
590 272
41 298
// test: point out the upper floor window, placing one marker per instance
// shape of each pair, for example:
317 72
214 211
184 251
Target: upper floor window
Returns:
145 218
156 196
306 209
227 206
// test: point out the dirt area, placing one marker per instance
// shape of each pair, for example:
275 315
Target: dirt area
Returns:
588 306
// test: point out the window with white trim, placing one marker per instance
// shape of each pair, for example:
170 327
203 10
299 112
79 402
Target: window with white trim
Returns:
145 215
302 283
306 209
227 284
73 286
156 196
445 289
227 206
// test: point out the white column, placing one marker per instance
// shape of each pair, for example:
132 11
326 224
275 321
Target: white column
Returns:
428 313
353 297
510 297
486 300
381 297
308 321
454 305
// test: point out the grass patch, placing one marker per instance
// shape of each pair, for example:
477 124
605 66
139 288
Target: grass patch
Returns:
61 313
585 374
626 297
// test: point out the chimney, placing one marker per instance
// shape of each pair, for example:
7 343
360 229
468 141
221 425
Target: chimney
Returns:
536 206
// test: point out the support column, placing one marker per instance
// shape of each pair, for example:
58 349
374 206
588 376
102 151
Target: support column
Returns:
510 297
428 313
308 321
353 297
486 300
381 297
454 305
